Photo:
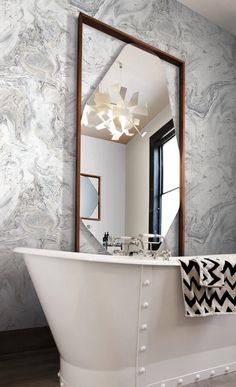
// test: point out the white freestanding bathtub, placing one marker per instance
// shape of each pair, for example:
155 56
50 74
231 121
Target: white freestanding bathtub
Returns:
119 322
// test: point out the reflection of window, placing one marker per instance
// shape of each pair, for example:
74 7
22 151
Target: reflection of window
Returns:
164 179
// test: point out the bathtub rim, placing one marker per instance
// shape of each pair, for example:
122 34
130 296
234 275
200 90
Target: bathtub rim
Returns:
92 257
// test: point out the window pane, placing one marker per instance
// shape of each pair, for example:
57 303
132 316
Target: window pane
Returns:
170 207
170 165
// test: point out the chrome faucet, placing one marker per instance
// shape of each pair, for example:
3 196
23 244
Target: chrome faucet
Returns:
165 253
125 243
135 242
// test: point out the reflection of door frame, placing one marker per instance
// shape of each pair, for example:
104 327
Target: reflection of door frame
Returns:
122 36
156 141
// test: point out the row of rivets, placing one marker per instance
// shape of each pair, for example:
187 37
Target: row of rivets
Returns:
61 383
143 327
198 377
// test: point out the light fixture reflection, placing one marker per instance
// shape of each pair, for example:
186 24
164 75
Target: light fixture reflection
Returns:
109 110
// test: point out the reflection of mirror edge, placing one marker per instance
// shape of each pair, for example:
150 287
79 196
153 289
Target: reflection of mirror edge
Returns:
98 196
98 25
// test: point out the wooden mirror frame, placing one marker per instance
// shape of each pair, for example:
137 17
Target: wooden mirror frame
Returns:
122 36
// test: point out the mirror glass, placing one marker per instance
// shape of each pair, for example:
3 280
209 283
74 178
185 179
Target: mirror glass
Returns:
128 141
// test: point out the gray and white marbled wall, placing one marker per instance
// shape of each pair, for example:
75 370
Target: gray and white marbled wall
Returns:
37 129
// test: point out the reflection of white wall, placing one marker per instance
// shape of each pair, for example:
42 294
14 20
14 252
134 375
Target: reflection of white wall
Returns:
106 159
137 177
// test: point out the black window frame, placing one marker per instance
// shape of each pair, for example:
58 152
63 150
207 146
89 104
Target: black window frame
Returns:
156 142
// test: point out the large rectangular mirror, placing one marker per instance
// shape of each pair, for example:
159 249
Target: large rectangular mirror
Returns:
126 136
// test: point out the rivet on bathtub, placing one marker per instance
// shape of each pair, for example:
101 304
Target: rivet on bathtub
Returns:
143 348
145 305
144 327
147 282
212 373
197 377
59 374
142 370
61 384
180 381
163 385
227 369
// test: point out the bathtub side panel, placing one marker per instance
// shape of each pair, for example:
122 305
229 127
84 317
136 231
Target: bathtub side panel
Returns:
179 345
92 310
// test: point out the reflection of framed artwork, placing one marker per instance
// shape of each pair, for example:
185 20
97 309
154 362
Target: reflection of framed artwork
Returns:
90 197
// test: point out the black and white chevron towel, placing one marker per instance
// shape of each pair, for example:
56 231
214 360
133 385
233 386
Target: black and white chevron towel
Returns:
211 272
209 286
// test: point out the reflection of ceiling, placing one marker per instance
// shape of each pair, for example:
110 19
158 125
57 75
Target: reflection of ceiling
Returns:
220 12
141 72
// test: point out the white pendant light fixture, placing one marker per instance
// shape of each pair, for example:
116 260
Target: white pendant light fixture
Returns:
108 110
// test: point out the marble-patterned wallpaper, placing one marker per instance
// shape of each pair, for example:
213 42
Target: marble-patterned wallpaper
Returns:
37 129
